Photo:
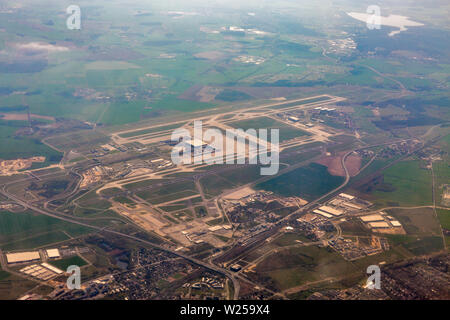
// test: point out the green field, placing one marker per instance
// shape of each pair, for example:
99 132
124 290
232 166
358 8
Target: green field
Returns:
14 146
91 204
405 184
13 287
293 267
442 178
151 130
417 245
215 184
169 192
27 230
289 239
444 219
307 182
63 264
417 221
36 241
287 132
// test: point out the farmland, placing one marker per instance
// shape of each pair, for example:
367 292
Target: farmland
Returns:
364 131
407 184
309 182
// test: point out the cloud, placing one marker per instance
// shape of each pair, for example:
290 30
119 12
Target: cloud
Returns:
39 47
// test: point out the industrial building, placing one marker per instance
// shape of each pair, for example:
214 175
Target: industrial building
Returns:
53 253
378 224
324 214
195 144
346 196
330 210
215 228
52 268
395 223
372 218
42 272
351 205
20 257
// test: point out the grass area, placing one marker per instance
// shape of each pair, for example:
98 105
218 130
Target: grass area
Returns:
150 130
13 287
289 239
213 185
4 275
416 244
91 200
442 177
287 132
304 156
308 182
200 211
444 218
172 208
417 221
214 222
36 241
296 266
13 146
124 200
63 264
169 192
20 229
405 184
111 191
141 184
354 227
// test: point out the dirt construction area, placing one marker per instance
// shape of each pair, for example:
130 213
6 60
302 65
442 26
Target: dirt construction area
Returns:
334 164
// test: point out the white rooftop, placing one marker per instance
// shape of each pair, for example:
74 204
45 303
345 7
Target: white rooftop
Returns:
372 217
196 143
53 253
22 256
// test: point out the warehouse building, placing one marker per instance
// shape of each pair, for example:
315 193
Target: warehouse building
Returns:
20 257
395 223
53 253
52 268
330 210
346 196
372 218
378 224
324 214
351 205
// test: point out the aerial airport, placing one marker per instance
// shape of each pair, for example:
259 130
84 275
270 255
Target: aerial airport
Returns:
209 150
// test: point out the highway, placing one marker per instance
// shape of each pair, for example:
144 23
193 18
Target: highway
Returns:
252 244
198 262
258 239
